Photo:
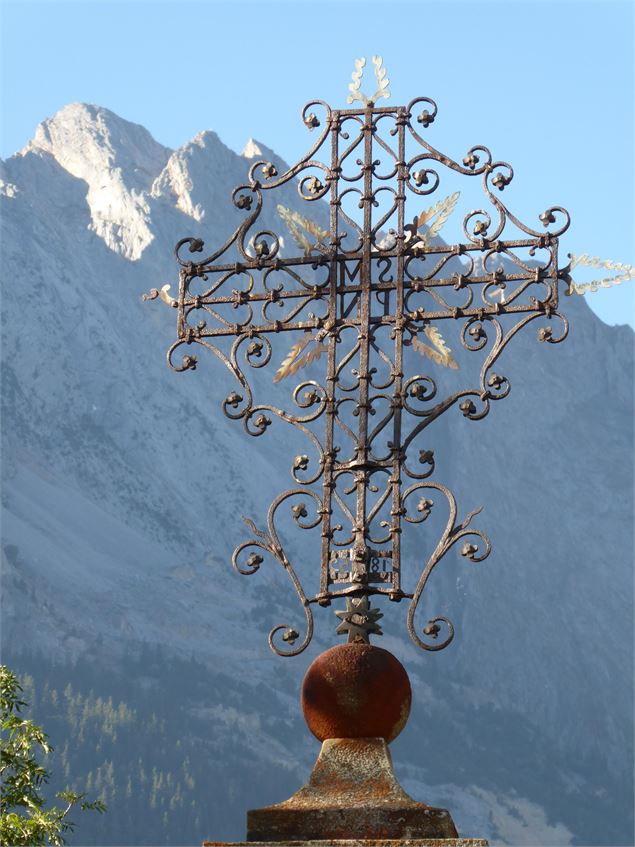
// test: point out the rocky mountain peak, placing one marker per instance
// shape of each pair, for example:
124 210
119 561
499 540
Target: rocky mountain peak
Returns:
256 150
118 160
85 138
253 149
197 175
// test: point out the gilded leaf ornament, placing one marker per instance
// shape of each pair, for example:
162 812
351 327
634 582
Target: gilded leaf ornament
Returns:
382 80
623 273
441 211
294 360
355 85
439 352
298 226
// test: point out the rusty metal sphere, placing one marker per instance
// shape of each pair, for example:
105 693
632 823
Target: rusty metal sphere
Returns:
356 691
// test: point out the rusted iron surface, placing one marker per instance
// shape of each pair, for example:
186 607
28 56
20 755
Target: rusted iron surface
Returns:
356 691
370 287
352 793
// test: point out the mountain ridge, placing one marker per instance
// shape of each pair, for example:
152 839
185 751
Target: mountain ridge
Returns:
123 487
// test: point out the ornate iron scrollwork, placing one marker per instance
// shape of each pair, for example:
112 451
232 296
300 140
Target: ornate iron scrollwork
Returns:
363 292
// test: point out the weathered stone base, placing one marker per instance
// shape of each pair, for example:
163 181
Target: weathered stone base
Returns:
352 797
344 842
352 793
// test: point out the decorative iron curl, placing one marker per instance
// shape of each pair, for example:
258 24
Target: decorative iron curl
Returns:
284 298
393 208
311 120
195 245
193 300
451 535
188 363
347 152
481 227
422 177
547 217
422 388
498 174
310 188
268 171
254 417
426 458
427 117
475 403
270 543
238 406
264 245
348 220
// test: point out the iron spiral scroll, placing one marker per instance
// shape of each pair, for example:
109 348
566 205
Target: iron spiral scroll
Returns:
368 288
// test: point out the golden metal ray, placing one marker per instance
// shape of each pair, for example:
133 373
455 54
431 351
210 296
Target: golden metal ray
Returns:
442 211
294 361
296 223
624 273
439 352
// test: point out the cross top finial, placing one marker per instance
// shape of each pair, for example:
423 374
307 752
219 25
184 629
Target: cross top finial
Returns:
355 86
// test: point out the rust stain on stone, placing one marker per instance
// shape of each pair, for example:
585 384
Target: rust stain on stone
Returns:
358 842
352 793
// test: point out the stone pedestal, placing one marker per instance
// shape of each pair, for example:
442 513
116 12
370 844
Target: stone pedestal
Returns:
351 793
358 842
352 798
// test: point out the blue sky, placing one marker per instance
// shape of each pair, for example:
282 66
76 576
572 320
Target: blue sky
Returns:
548 86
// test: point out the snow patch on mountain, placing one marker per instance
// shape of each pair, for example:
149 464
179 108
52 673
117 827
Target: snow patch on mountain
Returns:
518 821
7 189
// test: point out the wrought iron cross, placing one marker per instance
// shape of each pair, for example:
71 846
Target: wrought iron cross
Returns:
362 294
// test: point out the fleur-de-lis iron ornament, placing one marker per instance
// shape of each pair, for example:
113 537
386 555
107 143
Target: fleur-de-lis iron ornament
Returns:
353 302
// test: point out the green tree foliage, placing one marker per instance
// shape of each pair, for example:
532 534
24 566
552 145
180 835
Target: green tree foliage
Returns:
23 818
